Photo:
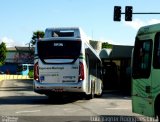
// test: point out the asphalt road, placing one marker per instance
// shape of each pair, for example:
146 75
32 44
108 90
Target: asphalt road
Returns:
19 103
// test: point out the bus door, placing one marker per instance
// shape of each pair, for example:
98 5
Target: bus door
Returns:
141 77
156 70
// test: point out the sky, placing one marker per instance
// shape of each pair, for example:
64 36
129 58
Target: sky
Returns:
20 18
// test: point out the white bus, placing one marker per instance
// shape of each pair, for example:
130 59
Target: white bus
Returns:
65 63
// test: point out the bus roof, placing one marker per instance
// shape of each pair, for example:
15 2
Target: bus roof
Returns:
75 32
63 28
58 33
149 29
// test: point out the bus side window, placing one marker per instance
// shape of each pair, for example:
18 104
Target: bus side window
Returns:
144 55
156 58
142 58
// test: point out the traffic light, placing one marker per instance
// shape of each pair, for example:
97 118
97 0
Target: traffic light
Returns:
128 13
117 13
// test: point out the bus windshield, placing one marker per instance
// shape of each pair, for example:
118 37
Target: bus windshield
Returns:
59 49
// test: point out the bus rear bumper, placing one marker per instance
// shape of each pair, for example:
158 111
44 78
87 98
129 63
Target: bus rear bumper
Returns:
45 88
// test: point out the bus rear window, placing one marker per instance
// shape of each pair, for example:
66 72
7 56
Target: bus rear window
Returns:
59 49
64 33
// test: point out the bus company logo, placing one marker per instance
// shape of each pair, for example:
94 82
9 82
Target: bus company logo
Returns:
50 68
58 45
58 68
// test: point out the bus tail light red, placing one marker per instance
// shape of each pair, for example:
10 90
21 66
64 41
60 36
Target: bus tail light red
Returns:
36 72
81 71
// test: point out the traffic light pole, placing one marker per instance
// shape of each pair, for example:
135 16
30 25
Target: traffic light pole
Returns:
144 13
128 13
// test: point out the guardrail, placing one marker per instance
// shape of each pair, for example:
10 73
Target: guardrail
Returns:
12 77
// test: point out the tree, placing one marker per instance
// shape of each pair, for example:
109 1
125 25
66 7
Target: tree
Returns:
107 45
3 51
36 35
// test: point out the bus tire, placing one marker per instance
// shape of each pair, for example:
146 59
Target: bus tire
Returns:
101 91
157 108
92 89
158 113
91 95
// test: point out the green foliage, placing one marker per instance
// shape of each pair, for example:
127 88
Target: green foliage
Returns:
3 51
36 35
30 73
106 45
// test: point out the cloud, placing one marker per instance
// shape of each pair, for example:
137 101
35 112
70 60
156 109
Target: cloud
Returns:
9 42
102 39
137 23
154 21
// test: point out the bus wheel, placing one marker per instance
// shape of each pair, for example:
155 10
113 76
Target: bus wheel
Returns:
92 90
157 108
101 91
91 95
158 112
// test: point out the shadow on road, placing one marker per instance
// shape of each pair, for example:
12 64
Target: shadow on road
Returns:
21 92
42 99
115 95
37 100
17 88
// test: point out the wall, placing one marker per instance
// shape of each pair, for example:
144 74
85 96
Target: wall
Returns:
12 77
9 68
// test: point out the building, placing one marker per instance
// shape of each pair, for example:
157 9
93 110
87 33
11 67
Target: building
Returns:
17 55
117 67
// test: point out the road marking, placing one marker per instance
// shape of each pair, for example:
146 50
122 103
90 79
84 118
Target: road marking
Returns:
117 108
27 111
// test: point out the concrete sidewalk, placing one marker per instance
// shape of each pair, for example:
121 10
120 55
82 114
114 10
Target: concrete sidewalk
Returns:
12 77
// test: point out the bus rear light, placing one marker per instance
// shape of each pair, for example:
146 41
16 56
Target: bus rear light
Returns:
81 71
36 72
